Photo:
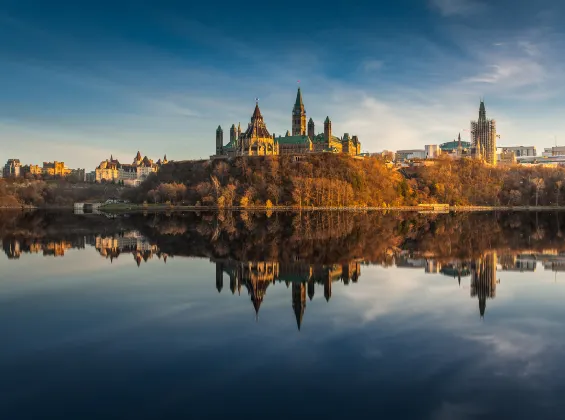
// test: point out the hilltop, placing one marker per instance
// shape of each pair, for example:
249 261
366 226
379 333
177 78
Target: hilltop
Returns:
337 180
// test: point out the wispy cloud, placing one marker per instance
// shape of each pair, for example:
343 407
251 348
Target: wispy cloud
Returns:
372 65
457 7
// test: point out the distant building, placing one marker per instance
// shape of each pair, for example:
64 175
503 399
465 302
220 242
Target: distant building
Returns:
12 169
456 148
387 155
31 169
521 151
79 173
404 155
554 151
55 169
256 140
111 170
507 157
90 176
432 151
483 137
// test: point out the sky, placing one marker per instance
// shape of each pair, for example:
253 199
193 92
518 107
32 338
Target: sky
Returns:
80 81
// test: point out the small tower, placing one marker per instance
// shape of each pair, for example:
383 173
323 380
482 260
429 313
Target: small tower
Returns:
219 140
233 134
298 116
311 132
327 132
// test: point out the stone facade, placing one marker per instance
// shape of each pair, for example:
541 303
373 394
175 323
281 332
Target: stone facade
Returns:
12 168
111 170
257 141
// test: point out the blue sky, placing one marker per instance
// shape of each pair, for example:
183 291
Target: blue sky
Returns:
83 80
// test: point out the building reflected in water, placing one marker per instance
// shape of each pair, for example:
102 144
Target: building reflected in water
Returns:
483 279
301 276
256 277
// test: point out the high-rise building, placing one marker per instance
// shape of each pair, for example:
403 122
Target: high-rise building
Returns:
483 137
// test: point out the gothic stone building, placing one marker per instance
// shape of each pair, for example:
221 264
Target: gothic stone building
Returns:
483 136
257 141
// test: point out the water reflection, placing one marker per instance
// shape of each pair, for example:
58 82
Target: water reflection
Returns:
256 252
391 304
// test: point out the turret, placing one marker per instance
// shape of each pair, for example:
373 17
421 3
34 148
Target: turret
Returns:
311 132
327 132
219 140
233 134
298 116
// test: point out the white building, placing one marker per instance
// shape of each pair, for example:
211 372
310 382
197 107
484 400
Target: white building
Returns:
432 151
403 155
554 151
520 151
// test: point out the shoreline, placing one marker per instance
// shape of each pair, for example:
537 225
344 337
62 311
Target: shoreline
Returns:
125 208
130 208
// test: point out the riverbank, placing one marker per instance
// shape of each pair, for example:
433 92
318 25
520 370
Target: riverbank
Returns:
126 208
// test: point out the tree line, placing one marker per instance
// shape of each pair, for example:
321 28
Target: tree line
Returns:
340 181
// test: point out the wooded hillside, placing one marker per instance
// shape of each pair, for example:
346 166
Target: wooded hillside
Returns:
335 180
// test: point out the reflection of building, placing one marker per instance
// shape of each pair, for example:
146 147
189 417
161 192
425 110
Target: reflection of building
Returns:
256 277
456 270
298 301
131 243
483 279
522 262
14 248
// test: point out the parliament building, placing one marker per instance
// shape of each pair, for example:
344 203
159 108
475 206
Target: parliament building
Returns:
257 141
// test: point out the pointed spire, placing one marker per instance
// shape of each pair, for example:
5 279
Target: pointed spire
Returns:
138 156
256 112
298 103
310 121
482 111
327 120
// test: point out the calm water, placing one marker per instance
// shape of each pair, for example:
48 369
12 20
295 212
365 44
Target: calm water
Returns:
286 316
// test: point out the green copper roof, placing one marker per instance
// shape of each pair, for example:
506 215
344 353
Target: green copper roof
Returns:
319 138
453 145
327 120
219 128
293 140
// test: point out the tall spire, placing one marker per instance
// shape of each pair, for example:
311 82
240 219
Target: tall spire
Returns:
298 103
298 116
482 111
